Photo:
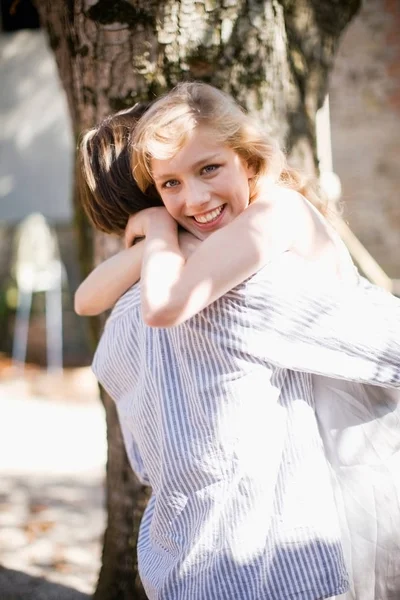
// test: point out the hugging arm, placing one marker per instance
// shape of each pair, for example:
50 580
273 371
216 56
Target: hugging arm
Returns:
105 284
346 332
174 288
113 277
179 274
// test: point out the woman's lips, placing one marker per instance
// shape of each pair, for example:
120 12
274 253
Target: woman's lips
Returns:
210 224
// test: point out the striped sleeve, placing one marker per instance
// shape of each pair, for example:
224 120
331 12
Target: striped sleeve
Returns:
346 332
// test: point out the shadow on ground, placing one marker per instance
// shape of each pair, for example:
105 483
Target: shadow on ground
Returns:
51 527
15 585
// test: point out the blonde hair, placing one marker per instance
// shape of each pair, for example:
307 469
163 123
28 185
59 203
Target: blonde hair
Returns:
167 125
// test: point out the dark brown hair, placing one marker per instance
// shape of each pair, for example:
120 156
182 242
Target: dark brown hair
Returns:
106 186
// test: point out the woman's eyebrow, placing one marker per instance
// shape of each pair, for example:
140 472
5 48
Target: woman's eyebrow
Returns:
206 159
195 165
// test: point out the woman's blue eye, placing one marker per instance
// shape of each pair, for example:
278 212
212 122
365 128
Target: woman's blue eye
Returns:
170 183
210 168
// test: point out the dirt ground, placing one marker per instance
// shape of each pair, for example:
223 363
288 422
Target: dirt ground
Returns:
52 459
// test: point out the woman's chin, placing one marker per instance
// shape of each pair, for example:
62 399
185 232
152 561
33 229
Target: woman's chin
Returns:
191 227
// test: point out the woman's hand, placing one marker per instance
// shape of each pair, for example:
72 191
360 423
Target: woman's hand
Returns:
139 224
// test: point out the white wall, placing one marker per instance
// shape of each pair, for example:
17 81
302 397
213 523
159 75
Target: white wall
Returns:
36 142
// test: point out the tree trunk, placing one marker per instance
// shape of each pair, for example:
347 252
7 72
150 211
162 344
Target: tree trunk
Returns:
274 56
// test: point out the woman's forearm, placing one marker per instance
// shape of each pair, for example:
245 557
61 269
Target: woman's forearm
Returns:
105 284
175 289
162 268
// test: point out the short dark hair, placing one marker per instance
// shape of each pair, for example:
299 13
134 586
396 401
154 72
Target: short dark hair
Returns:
106 187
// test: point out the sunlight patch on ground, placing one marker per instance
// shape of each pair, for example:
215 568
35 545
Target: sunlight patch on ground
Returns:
52 470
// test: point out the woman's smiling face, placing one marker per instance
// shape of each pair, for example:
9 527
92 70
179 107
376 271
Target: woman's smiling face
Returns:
205 185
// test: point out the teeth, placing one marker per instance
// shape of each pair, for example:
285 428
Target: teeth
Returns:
210 216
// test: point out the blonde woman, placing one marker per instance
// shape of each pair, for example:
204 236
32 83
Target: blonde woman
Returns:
219 412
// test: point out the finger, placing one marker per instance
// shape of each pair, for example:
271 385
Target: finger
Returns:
127 239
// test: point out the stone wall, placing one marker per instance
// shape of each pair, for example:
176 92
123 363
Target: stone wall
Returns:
365 121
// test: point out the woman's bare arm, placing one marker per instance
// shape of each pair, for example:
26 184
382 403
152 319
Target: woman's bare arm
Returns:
178 282
113 277
107 282
174 289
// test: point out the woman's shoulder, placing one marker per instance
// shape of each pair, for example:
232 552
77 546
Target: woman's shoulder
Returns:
316 240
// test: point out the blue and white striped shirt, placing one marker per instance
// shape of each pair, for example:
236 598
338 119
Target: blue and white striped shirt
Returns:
218 417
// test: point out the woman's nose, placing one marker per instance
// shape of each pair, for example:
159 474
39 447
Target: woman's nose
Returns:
197 195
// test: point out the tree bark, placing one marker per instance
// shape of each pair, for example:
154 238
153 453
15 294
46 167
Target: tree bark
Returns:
274 56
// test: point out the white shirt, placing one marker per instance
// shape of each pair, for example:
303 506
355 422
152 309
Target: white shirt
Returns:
226 434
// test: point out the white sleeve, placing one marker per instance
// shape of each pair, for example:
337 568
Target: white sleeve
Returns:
343 331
